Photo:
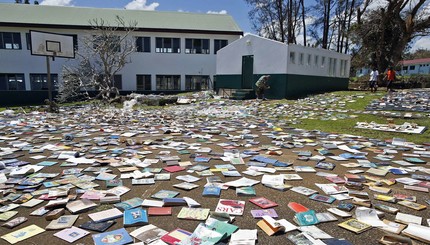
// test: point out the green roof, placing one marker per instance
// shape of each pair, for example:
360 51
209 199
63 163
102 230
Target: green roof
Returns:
42 15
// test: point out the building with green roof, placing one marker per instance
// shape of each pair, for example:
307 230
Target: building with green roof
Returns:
188 64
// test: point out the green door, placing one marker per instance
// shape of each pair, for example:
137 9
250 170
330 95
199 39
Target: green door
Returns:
247 71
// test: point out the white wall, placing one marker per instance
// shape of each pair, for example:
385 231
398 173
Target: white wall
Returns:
341 69
21 61
269 56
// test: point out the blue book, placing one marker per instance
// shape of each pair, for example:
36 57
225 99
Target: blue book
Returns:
135 217
398 171
306 218
213 191
116 237
263 159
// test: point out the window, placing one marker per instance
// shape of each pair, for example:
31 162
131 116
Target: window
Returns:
40 81
411 68
167 45
322 62
196 82
334 67
196 46
168 82
111 43
219 44
143 82
309 60
12 82
301 60
117 81
345 68
342 67
10 40
292 57
143 44
316 60
405 68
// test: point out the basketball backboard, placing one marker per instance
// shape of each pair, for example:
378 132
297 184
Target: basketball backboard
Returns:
51 44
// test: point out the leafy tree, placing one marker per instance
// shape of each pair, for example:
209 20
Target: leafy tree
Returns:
418 54
104 52
383 34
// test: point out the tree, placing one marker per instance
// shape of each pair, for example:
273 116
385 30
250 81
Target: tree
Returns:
418 54
104 52
277 19
382 35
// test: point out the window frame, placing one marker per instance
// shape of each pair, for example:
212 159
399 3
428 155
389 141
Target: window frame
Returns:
219 44
145 44
168 82
43 77
6 78
192 85
143 78
14 44
168 47
197 46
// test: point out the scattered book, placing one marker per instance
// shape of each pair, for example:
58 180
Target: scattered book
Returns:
175 236
355 226
193 213
271 226
129 204
263 202
165 194
259 213
211 191
97 226
22 234
148 233
135 217
174 202
245 191
65 221
408 219
412 205
71 234
306 218
419 232
159 211
105 215
233 207
115 237
322 198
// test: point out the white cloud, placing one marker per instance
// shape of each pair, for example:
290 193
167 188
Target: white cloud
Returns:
141 5
219 12
57 2
421 43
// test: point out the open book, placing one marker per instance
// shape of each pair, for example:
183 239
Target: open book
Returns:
272 226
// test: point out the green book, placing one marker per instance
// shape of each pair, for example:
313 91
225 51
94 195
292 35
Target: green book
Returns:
245 191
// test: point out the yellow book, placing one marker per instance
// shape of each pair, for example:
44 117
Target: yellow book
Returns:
355 225
218 169
22 234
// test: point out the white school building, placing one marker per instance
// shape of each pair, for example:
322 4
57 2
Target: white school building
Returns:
176 51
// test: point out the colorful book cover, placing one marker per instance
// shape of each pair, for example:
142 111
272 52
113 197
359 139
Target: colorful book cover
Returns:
159 211
245 191
97 226
322 198
165 194
22 234
116 237
325 165
263 202
233 207
204 235
259 213
129 204
221 227
175 236
355 225
306 218
213 191
136 216
71 234
193 213
297 207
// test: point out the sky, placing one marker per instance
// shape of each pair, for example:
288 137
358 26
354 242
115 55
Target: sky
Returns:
238 9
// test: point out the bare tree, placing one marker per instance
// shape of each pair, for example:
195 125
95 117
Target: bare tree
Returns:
277 19
103 53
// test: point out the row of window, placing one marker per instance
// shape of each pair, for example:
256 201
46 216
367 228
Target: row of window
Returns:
12 40
306 59
143 82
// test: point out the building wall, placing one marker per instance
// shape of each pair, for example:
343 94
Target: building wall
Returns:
410 69
21 61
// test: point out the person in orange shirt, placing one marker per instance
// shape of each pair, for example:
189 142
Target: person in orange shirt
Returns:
391 77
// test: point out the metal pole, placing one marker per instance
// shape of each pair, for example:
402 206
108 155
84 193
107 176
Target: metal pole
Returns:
48 68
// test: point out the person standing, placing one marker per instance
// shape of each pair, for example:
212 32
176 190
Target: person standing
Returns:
391 77
261 86
373 80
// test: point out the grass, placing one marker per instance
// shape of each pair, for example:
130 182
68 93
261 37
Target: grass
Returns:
347 126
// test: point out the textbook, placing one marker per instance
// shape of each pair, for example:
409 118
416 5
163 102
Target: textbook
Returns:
148 233
259 213
71 234
355 226
306 218
99 227
22 234
80 206
115 237
193 213
135 217
233 207
263 202
322 198
271 226
174 202
165 194
159 211
245 191
129 204
65 221
175 236
105 215
211 191
203 234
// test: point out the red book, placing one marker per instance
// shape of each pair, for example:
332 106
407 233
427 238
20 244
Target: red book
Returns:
297 207
173 169
263 202
335 179
155 211
175 236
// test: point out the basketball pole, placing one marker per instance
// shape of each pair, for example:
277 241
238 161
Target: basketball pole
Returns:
48 71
